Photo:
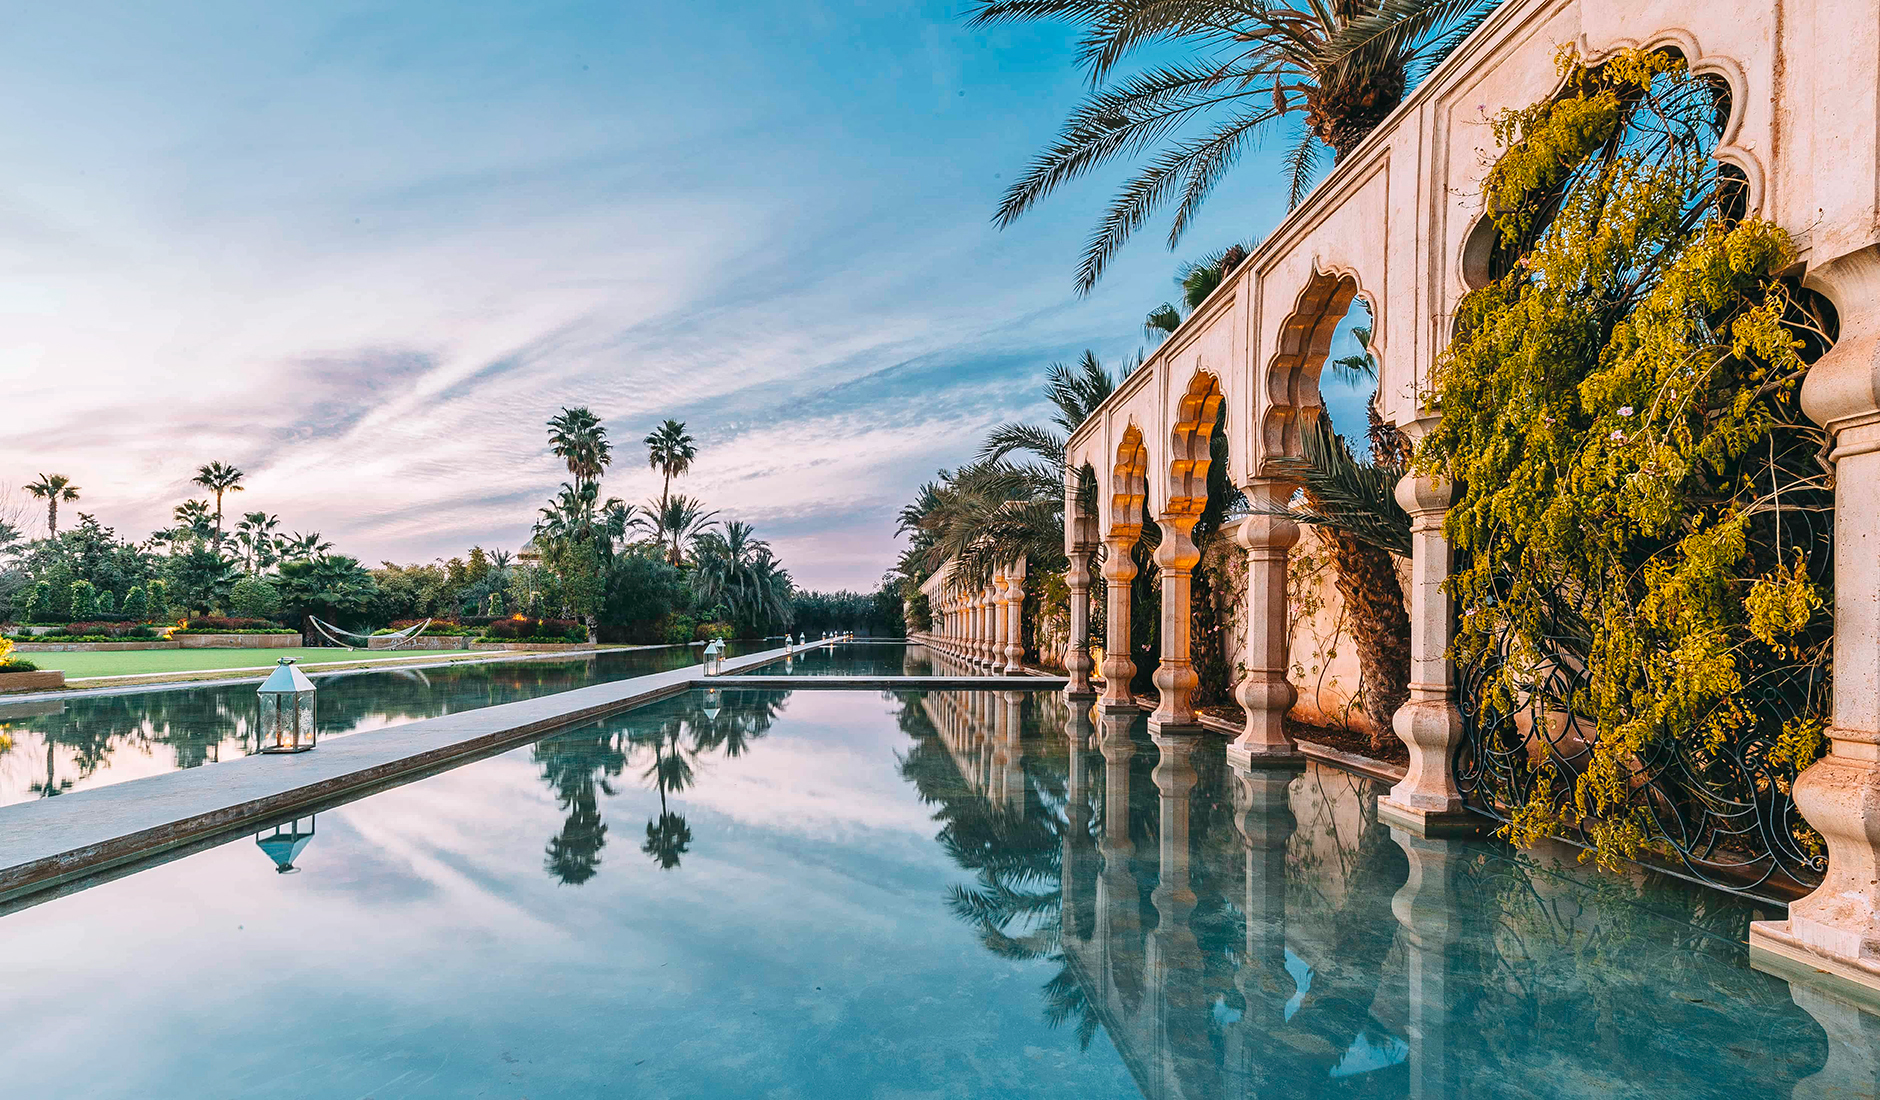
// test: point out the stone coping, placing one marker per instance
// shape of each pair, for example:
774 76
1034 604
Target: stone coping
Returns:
891 683
52 842
94 647
31 681
279 640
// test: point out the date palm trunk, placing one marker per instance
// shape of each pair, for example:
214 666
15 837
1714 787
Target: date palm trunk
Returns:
1380 628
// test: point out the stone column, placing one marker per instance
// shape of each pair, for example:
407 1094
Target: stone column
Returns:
1175 678
971 651
1077 650
1001 586
1014 655
1837 928
1428 912
1427 802
988 623
1264 692
1118 570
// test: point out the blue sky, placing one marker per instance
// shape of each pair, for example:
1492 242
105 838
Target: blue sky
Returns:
363 251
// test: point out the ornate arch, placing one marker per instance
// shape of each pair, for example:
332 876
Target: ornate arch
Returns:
1291 380
1128 485
1190 452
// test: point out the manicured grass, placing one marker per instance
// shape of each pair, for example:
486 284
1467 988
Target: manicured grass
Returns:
147 661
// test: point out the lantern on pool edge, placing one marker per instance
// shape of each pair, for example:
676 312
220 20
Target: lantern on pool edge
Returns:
286 709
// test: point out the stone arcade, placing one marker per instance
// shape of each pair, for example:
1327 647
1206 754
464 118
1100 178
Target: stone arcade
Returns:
1400 224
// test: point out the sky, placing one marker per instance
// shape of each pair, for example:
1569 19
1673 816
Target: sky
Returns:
364 251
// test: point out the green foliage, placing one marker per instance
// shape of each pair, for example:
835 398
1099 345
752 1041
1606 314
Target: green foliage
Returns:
333 587
56 607
135 606
200 578
157 600
106 603
36 605
1639 495
679 629
254 598
83 603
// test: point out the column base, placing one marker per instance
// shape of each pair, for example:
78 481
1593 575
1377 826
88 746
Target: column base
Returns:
1111 707
1433 823
1774 950
1175 729
1087 696
1239 756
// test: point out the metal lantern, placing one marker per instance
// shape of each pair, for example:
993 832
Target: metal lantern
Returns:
715 657
284 843
286 709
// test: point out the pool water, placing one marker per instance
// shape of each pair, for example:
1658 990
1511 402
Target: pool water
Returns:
923 894
870 659
69 744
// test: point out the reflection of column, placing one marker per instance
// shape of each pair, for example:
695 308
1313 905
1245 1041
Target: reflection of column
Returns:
1175 678
1012 715
1118 570
1840 793
1428 913
1853 1067
1264 692
1263 815
1079 856
1427 801
1118 918
1173 961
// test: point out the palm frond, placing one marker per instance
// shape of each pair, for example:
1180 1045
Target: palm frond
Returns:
1359 498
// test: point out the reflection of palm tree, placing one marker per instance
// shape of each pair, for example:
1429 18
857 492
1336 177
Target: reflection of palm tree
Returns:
577 765
668 837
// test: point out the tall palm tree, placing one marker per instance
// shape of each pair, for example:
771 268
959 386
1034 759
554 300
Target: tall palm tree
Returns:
670 451
1343 64
741 573
53 488
579 438
680 519
255 534
218 478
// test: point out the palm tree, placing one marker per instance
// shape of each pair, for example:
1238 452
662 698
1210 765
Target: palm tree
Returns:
670 451
679 520
1197 280
255 535
194 522
304 547
740 573
1345 65
218 478
578 437
53 488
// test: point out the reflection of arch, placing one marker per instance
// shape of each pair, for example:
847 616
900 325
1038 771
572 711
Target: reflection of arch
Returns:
1189 450
1128 486
1292 380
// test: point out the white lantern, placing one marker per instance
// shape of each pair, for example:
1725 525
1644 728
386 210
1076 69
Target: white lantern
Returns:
286 709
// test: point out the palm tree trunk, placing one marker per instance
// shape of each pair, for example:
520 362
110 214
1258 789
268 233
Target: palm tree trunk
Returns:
52 518
1367 582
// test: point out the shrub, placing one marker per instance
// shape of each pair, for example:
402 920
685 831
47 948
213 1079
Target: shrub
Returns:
157 600
215 624
9 663
539 630
98 631
134 606
36 603
496 603
712 631
107 603
680 628
254 598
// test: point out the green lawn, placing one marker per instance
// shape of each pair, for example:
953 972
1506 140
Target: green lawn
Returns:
148 661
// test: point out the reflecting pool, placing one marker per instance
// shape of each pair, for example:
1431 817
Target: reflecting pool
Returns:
69 744
867 658
848 894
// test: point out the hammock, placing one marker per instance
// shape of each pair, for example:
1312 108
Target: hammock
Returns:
396 640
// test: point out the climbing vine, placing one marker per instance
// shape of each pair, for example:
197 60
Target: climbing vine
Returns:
1641 523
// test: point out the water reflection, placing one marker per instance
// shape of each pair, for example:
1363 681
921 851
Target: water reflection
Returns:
665 744
1261 933
62 745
